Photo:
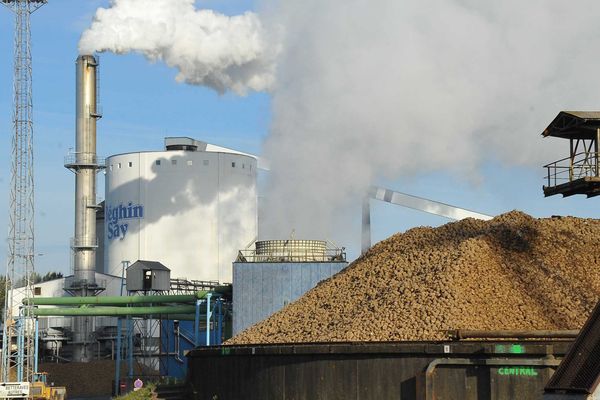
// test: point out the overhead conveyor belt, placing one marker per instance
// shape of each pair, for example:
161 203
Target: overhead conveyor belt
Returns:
410 201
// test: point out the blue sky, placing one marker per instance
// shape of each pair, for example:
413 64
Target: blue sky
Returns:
142 104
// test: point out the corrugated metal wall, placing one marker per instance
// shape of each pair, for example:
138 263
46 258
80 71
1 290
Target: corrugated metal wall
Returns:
260 289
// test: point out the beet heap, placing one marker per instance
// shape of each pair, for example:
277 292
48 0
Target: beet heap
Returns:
514 272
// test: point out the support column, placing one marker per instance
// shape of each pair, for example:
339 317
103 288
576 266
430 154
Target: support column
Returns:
366 225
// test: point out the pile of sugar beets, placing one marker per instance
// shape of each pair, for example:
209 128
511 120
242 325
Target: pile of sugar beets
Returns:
513 272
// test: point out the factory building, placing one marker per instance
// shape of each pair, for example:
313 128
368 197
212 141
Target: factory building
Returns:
278 272
57 332
190 207
174 221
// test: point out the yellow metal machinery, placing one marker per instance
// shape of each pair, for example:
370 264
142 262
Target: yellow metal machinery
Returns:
40 390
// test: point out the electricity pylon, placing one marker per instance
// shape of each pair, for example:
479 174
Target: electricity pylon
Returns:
18 340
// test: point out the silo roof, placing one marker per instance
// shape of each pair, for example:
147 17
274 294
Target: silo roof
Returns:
574 125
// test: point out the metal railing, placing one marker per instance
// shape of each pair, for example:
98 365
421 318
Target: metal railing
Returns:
95 112
183 285
90 159
71 281
580 165
328 255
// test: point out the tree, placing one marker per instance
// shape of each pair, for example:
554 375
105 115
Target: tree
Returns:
50 276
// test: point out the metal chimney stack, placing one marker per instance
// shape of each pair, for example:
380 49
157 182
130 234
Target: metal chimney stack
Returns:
84 163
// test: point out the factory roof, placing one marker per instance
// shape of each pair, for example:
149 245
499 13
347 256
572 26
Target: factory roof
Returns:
153 265
196 146
574 125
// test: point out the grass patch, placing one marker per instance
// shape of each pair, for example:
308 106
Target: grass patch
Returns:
143 394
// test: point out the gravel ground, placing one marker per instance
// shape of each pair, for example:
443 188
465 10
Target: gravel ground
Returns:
83 379
513 272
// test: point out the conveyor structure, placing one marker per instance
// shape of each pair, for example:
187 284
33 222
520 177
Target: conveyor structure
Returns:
409 201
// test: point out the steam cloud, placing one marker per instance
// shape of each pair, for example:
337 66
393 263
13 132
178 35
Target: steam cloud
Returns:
393 88
369 90
211 49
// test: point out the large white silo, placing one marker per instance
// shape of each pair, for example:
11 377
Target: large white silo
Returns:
190 207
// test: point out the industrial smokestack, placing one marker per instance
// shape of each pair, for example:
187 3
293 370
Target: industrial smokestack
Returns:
86 167
226 53
84 163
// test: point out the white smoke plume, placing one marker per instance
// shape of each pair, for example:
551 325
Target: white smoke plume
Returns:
368 90
392 88
207 48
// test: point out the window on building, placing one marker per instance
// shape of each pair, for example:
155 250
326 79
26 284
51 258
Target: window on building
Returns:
205 162
130 164
189 162
233 165
243 166
174 162
157 162
37 291
119 165
111 167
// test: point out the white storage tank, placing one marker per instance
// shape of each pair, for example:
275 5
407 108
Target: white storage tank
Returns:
190 207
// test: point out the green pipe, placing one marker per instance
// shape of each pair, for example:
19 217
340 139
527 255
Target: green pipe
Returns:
114 300
112 311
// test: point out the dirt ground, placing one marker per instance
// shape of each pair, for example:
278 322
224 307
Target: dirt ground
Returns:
83 379
94 378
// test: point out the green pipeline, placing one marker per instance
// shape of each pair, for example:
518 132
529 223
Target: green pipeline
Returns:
115 300
86 311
